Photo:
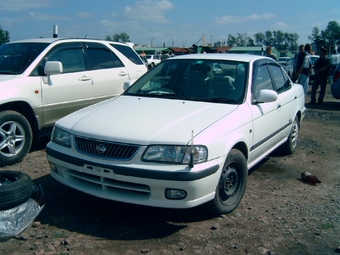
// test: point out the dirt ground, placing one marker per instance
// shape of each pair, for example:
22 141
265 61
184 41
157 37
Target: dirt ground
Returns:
279 214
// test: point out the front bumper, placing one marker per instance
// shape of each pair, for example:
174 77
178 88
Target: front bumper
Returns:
135 184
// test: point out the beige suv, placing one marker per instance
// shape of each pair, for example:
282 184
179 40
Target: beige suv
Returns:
42 80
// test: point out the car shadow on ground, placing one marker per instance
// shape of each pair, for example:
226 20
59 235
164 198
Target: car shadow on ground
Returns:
40 144
72 210
69 209
326 106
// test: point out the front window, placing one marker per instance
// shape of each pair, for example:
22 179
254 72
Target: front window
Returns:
281 80
218 81
262 80
16 57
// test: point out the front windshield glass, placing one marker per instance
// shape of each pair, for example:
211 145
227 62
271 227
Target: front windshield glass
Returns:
219 81
16 57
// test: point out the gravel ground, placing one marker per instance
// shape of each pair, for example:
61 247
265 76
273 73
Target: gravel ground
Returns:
279 214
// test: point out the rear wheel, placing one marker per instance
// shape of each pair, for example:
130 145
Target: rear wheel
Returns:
15 137
15 188
289 147
232 184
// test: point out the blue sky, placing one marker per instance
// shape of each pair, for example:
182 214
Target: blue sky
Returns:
181 22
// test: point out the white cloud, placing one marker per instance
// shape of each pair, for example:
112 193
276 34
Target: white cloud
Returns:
150 10
223 20
85 15
41 16
9 22
19 5
108 23
279 25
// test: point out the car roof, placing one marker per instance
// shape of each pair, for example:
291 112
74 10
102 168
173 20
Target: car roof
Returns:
51 40
221 56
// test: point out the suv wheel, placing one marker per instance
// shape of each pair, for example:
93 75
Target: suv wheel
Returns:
232 184
15 137
15 188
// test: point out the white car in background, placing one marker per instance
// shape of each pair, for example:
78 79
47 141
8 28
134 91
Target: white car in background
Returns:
44 79
289 67
153 60
182 135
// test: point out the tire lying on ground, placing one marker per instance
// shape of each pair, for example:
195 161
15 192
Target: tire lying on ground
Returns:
15 189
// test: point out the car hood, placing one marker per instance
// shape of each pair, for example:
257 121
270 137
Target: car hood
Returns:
6 77
143 120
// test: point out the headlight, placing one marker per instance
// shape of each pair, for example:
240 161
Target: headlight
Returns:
175 154
61 137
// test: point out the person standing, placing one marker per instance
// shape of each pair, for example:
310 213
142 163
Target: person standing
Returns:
335 59
270 54
143 56
294 75
321 67
304 67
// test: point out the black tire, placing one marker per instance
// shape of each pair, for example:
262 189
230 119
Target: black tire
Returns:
15 188
15 137
232 184
289 147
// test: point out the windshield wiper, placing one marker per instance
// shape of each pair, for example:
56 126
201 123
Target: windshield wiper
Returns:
222 100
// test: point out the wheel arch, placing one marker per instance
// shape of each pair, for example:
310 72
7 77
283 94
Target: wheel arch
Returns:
26 110
242 147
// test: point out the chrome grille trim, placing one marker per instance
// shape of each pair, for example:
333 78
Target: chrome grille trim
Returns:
105 149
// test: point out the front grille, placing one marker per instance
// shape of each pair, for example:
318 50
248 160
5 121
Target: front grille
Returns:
104 149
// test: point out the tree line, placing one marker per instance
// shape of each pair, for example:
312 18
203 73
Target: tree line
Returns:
327 38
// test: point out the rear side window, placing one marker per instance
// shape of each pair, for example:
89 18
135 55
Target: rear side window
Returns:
128 52
101 58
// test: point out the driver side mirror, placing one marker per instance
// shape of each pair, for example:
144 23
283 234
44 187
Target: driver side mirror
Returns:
127 85
266 96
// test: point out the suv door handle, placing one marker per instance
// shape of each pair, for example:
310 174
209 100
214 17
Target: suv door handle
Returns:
84 78
122 74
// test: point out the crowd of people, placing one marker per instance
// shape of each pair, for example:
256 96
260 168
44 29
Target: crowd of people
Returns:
326 69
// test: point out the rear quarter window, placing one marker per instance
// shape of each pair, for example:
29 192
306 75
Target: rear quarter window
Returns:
101 58
129 53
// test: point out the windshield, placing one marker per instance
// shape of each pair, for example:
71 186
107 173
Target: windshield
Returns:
219 81
16 57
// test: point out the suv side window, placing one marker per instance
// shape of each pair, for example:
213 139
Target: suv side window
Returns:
71 58
128 52
101 58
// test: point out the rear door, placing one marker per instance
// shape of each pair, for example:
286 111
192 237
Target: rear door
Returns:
108 72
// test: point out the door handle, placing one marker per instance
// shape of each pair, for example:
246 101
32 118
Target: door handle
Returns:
84 78
122 74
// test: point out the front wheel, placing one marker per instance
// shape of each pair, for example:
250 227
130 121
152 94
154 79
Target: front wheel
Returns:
232 184
15 137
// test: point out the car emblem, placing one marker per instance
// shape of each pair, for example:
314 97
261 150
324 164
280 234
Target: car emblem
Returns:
101 148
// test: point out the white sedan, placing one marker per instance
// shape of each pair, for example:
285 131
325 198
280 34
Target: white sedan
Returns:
153 60
183 134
